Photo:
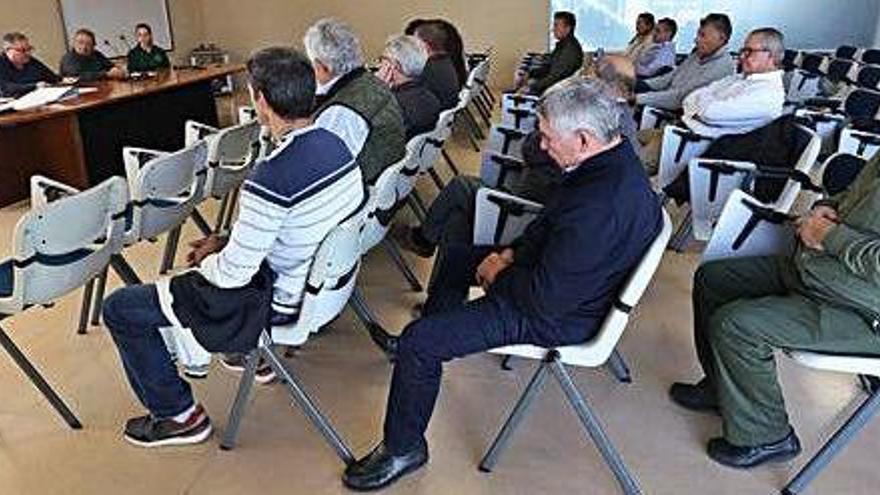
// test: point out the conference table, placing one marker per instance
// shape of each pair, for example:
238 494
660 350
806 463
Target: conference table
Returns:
79 140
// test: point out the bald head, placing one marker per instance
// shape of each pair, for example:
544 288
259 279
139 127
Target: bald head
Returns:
619 72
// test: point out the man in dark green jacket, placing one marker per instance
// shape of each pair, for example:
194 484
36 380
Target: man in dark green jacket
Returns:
145 56
566 59
348 94
824 298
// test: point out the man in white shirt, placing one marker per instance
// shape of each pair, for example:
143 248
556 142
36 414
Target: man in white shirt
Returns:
661 54
741 102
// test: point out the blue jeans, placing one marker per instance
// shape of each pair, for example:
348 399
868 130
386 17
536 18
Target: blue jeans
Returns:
134 317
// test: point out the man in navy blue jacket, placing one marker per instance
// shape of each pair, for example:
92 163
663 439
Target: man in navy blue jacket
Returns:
552 287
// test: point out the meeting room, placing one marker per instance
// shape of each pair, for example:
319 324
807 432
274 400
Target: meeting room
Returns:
414 247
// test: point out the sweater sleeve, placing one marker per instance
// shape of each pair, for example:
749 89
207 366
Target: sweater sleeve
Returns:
568 62
255 231
561 279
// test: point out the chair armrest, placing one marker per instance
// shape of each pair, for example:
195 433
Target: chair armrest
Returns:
788 173
493 209
45 190
196 131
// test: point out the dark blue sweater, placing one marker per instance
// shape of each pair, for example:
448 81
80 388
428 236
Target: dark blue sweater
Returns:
15 82
573 259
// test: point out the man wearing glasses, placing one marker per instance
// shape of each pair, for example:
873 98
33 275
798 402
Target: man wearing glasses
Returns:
21 73
742 102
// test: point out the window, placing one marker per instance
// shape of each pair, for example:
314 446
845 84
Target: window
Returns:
807 24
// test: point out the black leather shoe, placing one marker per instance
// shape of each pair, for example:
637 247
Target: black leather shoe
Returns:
695 397
384 340
380 468
724 452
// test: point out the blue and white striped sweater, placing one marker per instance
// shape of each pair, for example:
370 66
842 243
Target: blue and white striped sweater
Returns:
288 204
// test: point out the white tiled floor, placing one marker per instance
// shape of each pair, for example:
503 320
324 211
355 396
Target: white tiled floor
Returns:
279 452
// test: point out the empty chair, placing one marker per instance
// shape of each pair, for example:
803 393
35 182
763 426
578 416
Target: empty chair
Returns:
870 56
433 148
656 118
164 190
679 146
591 354
329 286
711 182
847 52
805 79
496 170
868 77
862 135
506 141
65 240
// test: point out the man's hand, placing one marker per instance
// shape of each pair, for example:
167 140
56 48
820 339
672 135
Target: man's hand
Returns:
494 264
813 229
203 247
117 73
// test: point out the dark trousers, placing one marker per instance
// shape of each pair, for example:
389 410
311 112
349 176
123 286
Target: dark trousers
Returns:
744 309
134 317
452 328
451 215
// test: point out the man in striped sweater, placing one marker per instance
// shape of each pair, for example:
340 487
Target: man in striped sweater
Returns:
289 203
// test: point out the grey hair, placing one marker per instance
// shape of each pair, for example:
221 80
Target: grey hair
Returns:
335 45
582 104
12 38
773 41
409 53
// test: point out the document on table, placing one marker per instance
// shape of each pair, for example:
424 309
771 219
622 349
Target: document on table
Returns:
38 98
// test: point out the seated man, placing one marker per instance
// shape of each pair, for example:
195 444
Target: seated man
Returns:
566 59
552 287
708 63
660 55
289 203
85 63
401 69
145 56
21 73
643 39
824 298
745 101
439 74
450 217
738 103
344 84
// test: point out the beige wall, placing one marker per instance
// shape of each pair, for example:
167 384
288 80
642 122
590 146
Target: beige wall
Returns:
511 26
41 21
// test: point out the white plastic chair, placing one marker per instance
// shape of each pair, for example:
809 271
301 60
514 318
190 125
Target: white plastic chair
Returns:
711 182
506 141
591 354
164 191
496 170
330 285
656 118
499 218
65 240
679 146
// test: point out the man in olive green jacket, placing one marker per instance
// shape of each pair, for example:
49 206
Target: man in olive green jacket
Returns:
348 95
824 298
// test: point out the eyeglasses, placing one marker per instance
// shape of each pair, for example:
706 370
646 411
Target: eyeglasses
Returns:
26 50
747 52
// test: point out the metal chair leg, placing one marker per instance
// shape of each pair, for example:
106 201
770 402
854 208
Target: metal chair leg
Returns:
124 270
38 381
473 124
171 244
417 211
236 413
88 290
449 162
307 405
505 363
682 235
98 298
393 251
201 223
618 367
594 428
361 310
417 198
221 215
230 212
516 416
436 178
841 438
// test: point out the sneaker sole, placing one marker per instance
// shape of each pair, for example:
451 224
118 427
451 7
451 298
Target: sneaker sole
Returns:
187 440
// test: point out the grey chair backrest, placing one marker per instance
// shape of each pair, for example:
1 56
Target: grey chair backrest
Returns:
60 245
165 190
382 204
231 152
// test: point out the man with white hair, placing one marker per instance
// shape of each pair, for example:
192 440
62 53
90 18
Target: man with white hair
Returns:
348 95
551 287
402 64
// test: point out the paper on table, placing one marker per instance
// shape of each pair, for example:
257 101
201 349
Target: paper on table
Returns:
38 98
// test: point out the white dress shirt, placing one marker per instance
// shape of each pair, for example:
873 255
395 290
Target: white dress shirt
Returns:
735 104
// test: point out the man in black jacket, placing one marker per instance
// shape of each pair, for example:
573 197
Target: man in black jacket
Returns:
20 72
552 287
402 64
566 59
